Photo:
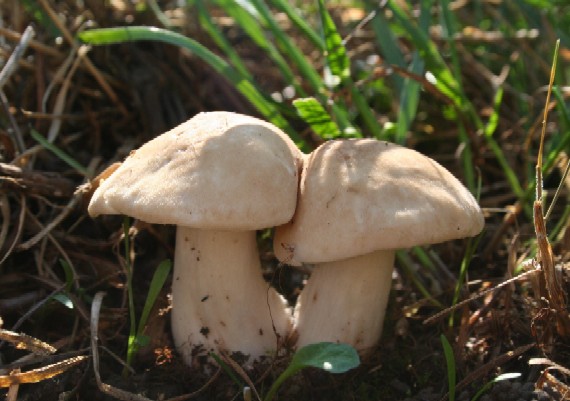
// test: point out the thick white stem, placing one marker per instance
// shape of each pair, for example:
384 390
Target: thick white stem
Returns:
219 298
345 301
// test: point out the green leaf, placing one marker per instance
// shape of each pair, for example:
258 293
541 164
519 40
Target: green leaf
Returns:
494 118
337 61
332 357
314 114
156 284
64 300
142 340
60 153
451 372
68 274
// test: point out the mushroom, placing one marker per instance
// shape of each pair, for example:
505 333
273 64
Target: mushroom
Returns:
359 201
218 177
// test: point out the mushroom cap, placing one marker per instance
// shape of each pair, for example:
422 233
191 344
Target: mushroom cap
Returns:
218 170
362 195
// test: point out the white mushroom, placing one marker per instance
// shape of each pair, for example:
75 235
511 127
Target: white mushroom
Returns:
359 201
219 177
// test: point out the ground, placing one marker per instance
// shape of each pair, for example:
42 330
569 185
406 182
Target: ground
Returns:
96 104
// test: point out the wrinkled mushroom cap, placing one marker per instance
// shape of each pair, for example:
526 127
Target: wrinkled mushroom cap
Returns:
362 195
219 170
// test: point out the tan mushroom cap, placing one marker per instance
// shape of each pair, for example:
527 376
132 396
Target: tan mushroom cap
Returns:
361 195
218 170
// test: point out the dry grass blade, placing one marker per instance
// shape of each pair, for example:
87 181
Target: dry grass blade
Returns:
7 71
35 182
86 61
458 305
47 229
19 229
548 380
23 341
40 374
193 394
17 54
550 277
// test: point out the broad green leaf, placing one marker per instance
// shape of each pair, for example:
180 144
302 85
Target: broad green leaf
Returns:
332 357
314 114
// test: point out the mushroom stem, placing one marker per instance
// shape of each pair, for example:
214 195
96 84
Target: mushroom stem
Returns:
345 301
220 300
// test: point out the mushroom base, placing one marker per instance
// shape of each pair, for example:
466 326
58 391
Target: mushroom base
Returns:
220 301
345 301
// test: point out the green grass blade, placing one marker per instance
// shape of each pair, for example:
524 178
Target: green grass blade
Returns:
410 93
155 8
132 343
510 175
493 122
409 101
466 158
444 79
209 26
335 52
227 369
314 114
156 284
308 32
106 36
561 141
472 244
60 153
252 28
289 48
338 64
451 369
389 47
406 263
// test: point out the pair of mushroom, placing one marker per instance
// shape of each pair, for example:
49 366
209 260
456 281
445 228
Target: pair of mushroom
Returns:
221 176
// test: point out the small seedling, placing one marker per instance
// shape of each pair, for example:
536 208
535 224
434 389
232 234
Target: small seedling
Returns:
136 337
331 357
